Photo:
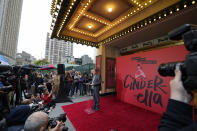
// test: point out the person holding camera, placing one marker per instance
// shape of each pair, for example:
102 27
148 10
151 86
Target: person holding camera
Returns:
47 97
179 112
38 121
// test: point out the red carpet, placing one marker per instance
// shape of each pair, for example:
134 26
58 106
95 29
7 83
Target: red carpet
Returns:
113 114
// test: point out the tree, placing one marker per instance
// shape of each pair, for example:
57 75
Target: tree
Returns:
41 62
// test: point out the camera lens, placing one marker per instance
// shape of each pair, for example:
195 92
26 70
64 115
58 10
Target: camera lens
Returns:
167 69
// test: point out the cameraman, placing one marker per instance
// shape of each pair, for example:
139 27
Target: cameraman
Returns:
38 121
178 115
4 103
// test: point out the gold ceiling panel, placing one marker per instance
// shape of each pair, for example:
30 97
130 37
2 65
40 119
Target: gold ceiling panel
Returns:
110 9
94 17
89 25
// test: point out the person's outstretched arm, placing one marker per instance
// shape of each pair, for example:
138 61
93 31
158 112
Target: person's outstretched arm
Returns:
179 112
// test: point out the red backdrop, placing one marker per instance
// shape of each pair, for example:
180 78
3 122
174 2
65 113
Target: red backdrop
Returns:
138 81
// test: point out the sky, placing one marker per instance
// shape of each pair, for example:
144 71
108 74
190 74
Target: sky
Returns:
35 23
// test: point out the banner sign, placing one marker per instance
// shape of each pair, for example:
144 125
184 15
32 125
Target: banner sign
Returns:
149 43
138 81
110 72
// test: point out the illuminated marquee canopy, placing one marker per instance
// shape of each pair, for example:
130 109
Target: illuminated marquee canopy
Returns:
96 22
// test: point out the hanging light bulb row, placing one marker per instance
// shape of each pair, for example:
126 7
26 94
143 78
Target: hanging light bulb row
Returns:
139 7
85 6
71 4
53 6
162 14
149 20
57 5
80 41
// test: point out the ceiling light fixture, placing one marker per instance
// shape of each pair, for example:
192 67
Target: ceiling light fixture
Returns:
109 9
89 26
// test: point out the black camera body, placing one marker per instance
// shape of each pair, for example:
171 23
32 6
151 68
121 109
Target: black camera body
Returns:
40 88
7 88
188 68
52 121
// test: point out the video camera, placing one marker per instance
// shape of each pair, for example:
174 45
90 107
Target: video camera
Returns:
188 67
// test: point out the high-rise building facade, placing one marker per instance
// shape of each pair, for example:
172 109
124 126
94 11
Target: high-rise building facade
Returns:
24 58
86 60
10 15
57 50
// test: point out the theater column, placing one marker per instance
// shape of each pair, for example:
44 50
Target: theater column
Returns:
106 52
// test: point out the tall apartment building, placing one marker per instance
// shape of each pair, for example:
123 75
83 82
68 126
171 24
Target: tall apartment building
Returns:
86 59
10 15
57 50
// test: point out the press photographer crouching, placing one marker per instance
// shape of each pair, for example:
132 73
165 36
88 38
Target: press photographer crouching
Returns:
32 118
179 112
39 121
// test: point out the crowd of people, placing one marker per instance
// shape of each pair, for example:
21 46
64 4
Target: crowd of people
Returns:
39 88
43 87
75 83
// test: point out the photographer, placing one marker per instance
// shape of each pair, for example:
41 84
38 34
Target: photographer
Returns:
47 97
4 101
178 115
38 121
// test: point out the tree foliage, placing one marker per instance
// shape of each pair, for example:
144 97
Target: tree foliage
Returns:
41 62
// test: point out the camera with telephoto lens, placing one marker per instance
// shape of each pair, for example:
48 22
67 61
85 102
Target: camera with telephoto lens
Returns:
52 121
188 67
40 89
45 108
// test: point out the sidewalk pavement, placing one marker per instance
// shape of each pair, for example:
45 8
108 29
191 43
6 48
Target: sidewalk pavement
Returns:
58 110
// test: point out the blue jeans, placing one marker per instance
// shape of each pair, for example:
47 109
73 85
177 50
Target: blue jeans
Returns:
72 88
81 88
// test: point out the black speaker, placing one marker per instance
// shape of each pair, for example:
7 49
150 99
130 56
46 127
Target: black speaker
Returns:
60 68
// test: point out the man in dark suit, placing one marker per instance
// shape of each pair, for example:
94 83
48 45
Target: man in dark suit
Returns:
96 84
